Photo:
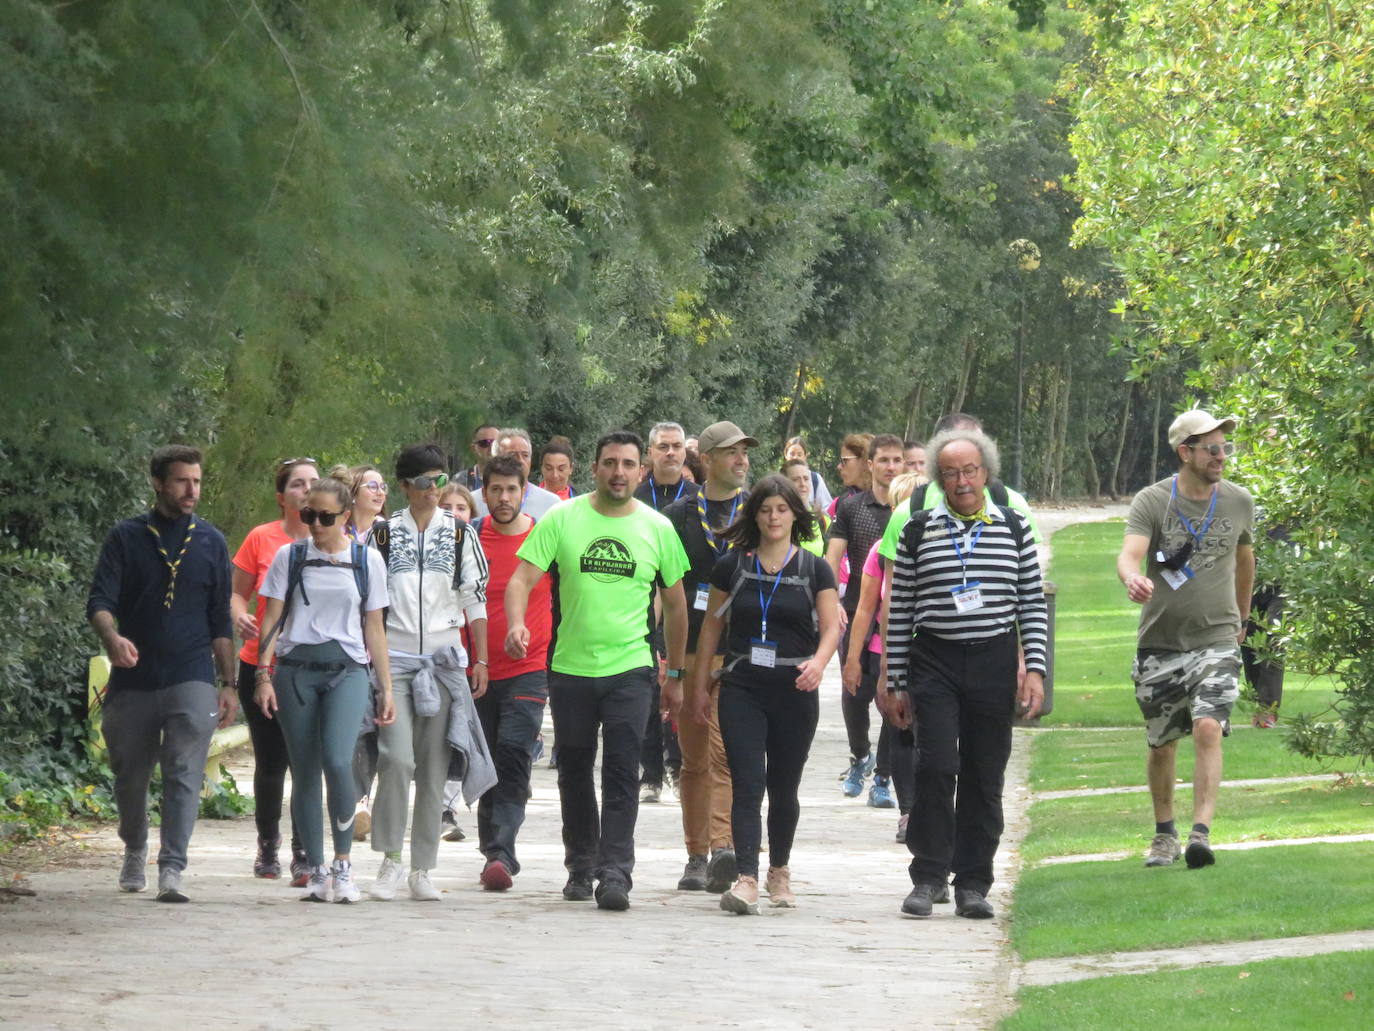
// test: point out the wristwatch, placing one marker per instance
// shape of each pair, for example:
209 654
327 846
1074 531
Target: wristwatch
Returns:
676 674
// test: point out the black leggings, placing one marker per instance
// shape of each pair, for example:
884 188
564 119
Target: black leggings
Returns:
269 761
767 730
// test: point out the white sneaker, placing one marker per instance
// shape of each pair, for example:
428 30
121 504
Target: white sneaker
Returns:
421 890
317 888
388 880
345 888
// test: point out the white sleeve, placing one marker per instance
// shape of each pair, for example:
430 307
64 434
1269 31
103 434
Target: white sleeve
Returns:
472 578
274 583
377 597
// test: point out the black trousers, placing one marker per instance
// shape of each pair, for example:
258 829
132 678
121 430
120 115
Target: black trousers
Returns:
660 751
269 761
964 698
511 711
600 843
857 711
767 730
1265 676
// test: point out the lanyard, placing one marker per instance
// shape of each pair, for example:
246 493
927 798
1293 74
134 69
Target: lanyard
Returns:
711 539
653 491
173 564
766 603
973 536
1206 523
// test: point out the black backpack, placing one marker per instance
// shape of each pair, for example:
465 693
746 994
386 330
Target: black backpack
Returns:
295 576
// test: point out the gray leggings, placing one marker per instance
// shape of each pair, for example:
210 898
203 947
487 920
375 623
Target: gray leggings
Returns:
320 713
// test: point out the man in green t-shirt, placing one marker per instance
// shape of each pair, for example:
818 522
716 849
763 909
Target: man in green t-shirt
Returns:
1194 533
606 553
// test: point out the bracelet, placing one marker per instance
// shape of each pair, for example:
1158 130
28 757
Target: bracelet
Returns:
480 662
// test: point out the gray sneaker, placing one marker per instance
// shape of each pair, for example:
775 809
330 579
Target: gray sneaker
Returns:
169 886
1163 850
721 870
133 875
1199 851
693 874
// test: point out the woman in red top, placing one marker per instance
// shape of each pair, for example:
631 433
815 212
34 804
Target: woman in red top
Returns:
293 478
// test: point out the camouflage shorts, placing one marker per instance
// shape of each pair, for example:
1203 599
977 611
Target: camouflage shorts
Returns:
1175 688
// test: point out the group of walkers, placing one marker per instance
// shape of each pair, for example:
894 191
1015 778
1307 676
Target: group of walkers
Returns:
674 606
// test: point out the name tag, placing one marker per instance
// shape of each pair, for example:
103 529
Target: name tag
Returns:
703 592
1176 578
968 597
763 653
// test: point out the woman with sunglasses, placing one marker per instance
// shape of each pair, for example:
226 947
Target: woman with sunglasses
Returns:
775 603
322 632
293 479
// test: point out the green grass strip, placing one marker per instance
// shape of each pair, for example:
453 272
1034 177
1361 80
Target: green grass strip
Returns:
1086 908
1314 993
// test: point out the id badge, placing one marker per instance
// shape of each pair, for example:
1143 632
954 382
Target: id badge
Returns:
763 653
703 592
1176 578
968 597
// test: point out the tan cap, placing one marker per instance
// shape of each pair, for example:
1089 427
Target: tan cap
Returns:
723 434
1195 424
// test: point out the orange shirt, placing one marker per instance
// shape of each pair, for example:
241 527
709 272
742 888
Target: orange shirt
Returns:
254 556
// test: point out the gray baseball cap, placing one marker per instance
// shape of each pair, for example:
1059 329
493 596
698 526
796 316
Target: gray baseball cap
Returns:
723 434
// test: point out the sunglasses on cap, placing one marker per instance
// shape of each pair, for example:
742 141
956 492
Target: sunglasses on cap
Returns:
426 482
309 517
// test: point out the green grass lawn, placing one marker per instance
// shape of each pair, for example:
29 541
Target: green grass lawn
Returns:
1109 823
1314 993
1086 908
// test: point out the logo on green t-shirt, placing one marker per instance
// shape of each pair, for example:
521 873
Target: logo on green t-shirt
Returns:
607 560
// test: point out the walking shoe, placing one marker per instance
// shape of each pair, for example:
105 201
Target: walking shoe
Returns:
388 879
693 874
421 888
671 778
300 869
266 864
496 876
972 904
133 875
1163 850
902 821
612 896
721 870
743 897
1199 851
940 893
317 888
1265 719
169 886
858 772
919 900
345 887
651 793
362 822
869 763
454 832
578 888
880 794
779 886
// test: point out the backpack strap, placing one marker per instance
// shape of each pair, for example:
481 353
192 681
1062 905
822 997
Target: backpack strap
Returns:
997 490
460 537
295 573
380 538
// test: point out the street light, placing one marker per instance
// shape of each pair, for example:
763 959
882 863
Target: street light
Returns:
1027 257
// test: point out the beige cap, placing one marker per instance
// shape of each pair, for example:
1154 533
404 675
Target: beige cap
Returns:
722 434
1195 424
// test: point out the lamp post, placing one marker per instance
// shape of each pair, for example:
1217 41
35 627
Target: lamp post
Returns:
1027 257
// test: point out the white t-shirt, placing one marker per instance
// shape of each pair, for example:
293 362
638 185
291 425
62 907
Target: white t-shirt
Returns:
332 614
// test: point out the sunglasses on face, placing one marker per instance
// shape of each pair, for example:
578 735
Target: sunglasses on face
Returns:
485 442
309 516
426 482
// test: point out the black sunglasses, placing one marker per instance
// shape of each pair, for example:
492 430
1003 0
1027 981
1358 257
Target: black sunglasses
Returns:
309 515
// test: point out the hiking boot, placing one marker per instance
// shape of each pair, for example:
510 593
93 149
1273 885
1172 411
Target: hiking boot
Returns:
779 886
880 794
1199 851
854 777
496 876
1265 719
266 864
612 896
133 875
1163 850
902 821
972 904
421 888
388 879
169 886
452 831
651 793
743 897
721 870
578 888
362 822
919 902
345 887
317 888
300 868
940 893
693 875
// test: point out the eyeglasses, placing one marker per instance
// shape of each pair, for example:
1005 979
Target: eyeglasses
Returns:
968 472
847 458
1216 450
484 442
426 482
309 516
376 488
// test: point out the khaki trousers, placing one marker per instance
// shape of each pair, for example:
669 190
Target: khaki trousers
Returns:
704 785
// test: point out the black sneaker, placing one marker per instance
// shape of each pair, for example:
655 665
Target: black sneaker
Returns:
612 896
300 869
1199 851
970 903
693 875
721 870
578 888
267 864
919 901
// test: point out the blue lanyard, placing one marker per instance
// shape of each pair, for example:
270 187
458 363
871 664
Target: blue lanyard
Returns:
975 535
1206 524
711 538
766 603
653 491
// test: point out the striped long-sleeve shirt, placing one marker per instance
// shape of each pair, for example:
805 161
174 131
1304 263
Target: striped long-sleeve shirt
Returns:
928 567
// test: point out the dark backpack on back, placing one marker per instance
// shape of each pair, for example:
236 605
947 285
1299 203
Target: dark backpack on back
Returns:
295 576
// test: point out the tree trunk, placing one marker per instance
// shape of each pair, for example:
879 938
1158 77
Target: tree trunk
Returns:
1115 486
913 411
1062 442
791 430
956 403
1154 443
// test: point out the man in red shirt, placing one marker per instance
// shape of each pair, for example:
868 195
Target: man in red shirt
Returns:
512 710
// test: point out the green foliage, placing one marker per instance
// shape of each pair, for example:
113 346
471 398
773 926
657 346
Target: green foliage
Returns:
222 799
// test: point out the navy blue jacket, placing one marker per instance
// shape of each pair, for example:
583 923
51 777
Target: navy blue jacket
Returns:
130 582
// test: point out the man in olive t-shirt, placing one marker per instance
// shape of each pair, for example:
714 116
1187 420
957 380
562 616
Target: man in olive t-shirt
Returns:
606 553
1194 533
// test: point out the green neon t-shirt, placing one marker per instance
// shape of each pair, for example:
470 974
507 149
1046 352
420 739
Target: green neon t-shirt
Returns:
604 570
887 547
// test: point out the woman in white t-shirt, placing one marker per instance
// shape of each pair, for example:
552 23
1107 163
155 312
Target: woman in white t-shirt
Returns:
322 632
